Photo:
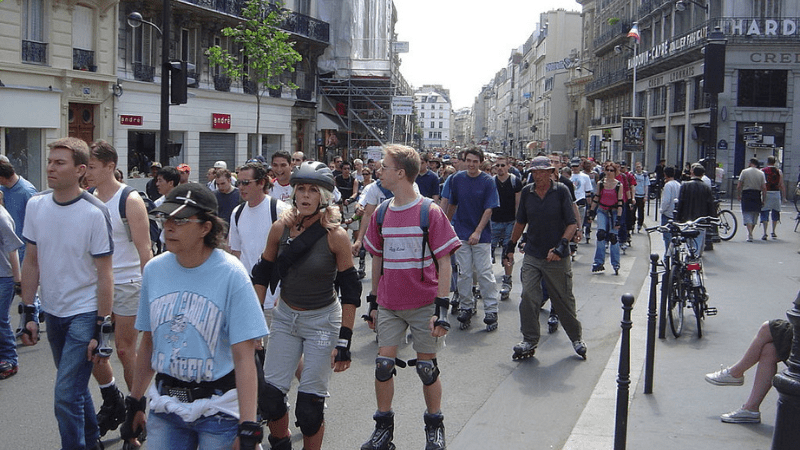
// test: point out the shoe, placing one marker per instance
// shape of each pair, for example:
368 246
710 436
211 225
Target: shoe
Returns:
7 369
723 377
774 236
749 239
764 237
741 415
580 348
598 268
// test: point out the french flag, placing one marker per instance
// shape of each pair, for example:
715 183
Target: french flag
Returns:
634 33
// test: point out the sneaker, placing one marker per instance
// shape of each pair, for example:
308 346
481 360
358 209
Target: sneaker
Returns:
764 237
741 415
723 377
7 369
774 236
580 348
749 239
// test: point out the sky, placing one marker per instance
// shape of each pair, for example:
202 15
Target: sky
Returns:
462 45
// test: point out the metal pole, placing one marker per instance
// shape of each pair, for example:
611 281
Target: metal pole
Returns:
166 14
650 355
662 318
623 378
787 383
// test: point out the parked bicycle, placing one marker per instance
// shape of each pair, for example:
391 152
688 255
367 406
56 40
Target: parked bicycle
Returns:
683 286
797 206
727 226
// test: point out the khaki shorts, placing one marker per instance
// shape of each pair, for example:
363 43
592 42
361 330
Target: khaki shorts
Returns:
392 325
126 298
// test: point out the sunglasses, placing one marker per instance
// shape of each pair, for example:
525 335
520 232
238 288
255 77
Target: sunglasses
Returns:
499 165
246 182
163 218
611 170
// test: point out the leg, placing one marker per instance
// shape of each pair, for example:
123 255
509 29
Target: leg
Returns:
603 223
753 353
8 345
558 276
531 301
482 262
216 432
125 336
169 431
766 370
464 284
283 354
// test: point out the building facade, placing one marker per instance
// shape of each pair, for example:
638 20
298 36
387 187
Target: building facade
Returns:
434 111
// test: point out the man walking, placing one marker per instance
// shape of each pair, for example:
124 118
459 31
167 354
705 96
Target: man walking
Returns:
752 192
471 198
640 194
696 200
131 236
227 194
508 189
776 192
547 209
669 195
71 261
412 290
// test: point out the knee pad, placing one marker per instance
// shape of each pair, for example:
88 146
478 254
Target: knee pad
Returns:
428 371
601 235
272 402
384 368
612 238
309 413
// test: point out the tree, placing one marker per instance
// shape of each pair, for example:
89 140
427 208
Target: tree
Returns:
262 50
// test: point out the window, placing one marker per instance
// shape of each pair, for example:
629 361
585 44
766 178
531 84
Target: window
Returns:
441 124
142 45
34 48
82 39
303 7
422 115
700 100
433 124
441 115
679 96
770 9
188 45
659 101
762 88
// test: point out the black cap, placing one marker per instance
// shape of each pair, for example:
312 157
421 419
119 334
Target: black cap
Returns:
187 200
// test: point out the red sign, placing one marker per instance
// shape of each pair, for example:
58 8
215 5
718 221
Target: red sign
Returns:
221 121
130 120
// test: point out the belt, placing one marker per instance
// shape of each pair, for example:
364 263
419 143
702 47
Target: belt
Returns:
187 392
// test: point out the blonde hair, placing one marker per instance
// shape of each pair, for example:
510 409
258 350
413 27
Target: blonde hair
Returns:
330 216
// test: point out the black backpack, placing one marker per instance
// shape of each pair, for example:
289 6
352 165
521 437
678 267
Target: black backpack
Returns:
273 210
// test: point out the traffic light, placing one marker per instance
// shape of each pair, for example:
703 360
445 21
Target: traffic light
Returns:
179 71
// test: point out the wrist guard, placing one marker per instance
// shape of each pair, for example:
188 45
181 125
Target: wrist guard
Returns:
591 214
132 406
510 247
18 288
30 316
343 345
102 334
250 435
442 304
562 249
372 300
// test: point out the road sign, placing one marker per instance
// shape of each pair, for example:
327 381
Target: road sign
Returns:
760 145
755 129
752 137
403 106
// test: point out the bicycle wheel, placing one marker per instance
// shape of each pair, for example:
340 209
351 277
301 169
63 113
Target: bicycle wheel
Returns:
727 225
698 305
676 301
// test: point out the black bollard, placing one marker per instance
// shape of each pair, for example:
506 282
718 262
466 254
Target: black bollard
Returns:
787 434
650 355
623 377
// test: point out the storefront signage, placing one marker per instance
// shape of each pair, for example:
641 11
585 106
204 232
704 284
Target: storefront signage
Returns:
683 73
760 27
221 121
135 121
755 129
668 48
775 58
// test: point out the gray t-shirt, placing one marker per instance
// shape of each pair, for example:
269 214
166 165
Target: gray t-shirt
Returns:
8 242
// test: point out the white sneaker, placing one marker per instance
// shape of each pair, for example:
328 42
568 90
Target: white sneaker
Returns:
741 415
723 377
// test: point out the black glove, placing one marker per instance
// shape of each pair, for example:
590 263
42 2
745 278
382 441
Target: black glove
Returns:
343 346
132 406
250 435
510 247
30 316
562 249
591 214
442 304
18 288
372 300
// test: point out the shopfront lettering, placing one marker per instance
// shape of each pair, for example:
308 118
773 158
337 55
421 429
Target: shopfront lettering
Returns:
668 48
221 121
761 27
775 58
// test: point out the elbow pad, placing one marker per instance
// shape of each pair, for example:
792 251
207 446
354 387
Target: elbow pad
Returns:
350 286
262 272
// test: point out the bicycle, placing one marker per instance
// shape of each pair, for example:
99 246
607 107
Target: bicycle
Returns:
797 206
683 285
728 225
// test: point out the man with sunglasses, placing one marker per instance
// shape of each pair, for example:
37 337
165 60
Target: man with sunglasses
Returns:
502 222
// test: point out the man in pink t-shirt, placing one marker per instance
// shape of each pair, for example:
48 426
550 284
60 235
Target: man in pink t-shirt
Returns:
411 292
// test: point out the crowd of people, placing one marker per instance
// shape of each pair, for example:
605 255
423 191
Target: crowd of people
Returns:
278 248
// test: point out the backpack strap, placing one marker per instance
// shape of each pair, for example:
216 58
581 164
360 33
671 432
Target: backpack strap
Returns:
123 203
424 224
273 209
238 213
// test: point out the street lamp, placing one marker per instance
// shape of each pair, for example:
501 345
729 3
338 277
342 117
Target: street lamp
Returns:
681 5
135 20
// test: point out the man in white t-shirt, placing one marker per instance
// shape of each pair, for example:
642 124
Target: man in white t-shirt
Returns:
70 260
282 168
132 250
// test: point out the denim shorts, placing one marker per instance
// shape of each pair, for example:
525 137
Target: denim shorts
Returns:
206 433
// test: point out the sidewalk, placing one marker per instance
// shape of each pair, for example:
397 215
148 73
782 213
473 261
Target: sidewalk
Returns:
749 283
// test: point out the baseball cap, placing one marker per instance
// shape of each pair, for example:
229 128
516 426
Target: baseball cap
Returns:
187 200
184 168
220 165
155 164
575 162
541 163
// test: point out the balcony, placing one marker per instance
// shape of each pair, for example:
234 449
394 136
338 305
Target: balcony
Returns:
250 87
649 6
222 83
304 94
275 93
83 60
34 52
142 72
605 80
614 32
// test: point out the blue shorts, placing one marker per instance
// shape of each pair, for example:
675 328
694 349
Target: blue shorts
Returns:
501 233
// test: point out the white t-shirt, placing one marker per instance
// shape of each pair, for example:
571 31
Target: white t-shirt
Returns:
583 184
127 267
282 193
68 237
249 237
373 195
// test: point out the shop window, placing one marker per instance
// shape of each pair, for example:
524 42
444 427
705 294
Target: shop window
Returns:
23 149
762 88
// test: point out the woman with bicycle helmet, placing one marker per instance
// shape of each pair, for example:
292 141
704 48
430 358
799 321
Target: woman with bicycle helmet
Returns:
308 252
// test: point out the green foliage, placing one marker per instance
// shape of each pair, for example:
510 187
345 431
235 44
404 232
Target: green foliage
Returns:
259 41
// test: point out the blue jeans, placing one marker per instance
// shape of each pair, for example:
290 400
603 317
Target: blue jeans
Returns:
606 221
501 233
69 337
169 431
667 236
8 342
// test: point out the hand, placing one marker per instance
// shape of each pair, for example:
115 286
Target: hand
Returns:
508 260
338 366
374 315
356 247
474 238
436 331
31 336
90 352
551 256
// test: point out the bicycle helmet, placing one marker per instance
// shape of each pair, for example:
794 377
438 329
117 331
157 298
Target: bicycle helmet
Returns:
313 172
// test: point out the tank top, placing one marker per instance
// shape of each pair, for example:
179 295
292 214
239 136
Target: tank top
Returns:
309 282
126 258
773 178
608 198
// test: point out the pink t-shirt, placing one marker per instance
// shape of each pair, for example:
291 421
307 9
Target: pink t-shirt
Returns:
401 286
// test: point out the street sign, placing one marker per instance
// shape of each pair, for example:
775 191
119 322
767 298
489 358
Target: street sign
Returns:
760 145
755 129
752 137
400 46
403 106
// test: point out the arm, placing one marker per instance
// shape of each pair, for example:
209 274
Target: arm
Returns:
143 373
475 237
443 290
139 224
105 298
270 253
246 380
340 246
368 210
30 282
13 258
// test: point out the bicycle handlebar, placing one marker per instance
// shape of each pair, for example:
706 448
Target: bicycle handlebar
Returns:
671 225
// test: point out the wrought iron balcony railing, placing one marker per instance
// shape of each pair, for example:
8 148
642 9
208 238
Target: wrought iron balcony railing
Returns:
34 52
83 60
222 83
143 72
